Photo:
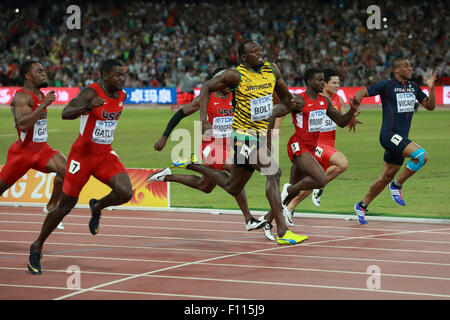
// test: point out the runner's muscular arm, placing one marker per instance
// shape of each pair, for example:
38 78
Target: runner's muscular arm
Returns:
228 79
295 103
84 102
354 121
24 116
356 101
341 119
187 110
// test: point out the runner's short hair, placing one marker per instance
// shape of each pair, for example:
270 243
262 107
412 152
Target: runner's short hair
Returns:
242 47
397 62
328 73
26 68
310 73
107 65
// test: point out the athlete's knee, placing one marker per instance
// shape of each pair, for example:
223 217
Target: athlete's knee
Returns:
206 188
64 207
234 191
124 193
418 159
321 182
343 165
58 179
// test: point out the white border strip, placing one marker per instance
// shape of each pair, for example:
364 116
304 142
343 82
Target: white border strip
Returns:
229 211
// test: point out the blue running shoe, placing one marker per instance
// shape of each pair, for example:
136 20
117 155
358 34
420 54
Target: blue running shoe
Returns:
360 213
396 194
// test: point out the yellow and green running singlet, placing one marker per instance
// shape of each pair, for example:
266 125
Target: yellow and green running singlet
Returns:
252 100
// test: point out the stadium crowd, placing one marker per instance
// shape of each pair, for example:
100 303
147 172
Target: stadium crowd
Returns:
167 43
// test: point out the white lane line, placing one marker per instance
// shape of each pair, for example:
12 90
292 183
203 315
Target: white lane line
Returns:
218 258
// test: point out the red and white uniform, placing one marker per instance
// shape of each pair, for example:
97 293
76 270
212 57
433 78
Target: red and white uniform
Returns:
325 145
217 150
308 125
91 153
31 150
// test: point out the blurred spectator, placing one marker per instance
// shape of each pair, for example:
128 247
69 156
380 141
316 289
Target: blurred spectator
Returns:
158 41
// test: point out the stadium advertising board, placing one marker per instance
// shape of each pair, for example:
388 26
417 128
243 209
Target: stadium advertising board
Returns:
169 95
35 188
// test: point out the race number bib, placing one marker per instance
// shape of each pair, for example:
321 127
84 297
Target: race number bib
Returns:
405 102
104 131
315 120
328 124
40 131
222 127
261 108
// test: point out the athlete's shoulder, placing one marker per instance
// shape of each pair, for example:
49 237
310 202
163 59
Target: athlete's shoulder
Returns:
21 97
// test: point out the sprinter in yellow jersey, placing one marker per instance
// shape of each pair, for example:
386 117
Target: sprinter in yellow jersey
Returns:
253 84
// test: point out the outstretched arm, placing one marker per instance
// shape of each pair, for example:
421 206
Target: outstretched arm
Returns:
341 119
295 103
280 111
187 110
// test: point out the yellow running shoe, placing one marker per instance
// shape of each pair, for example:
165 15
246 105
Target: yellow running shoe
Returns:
291 238
184 161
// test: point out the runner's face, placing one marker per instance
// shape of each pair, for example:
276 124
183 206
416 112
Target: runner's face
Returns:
116 78
38 76
317 82
404 70
254 55
332 86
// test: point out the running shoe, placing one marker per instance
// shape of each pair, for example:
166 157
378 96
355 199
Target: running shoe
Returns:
267 229
34 261
396 194
284 193
254 224
159 175
291 238
60 226
316 197
95 218
360 213
288 214
182 162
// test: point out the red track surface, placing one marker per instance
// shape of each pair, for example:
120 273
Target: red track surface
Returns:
168 255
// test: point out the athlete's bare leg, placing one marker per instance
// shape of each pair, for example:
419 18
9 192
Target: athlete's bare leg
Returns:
315 178
387 175
239 176
199 183
406 172
121 192
338 164
65 205
56 164
3 186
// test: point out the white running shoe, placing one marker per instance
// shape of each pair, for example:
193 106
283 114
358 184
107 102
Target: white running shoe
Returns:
288 216
60 226
284 193
159 175
316 197
254 224
267 228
